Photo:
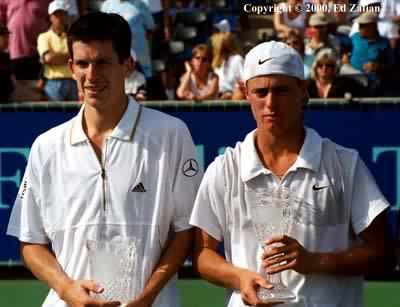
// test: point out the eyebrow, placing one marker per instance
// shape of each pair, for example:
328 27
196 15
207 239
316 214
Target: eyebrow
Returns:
268 89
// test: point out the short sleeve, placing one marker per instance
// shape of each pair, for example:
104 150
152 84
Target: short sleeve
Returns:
209 208
367 201
148 20
186 179
26 222
42 44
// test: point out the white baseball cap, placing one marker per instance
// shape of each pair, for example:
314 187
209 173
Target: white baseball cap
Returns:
57 5
223 26
273 58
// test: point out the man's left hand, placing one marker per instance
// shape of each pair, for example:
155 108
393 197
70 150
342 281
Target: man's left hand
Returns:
283 253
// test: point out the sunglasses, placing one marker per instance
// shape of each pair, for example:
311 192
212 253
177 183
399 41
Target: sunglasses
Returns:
200 58
327 65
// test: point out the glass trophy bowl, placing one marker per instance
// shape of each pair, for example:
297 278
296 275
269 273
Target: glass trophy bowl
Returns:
112 265
271 216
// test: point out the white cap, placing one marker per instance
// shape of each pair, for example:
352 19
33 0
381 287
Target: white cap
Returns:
223 26
273 58
57 6
368 2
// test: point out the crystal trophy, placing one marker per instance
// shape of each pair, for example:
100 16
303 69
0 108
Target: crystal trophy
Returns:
112 265
271 215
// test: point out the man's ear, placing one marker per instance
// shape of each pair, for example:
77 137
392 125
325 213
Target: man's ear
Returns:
128 66
71 67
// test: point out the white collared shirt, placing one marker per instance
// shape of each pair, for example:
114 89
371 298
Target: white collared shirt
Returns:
332 183
147 192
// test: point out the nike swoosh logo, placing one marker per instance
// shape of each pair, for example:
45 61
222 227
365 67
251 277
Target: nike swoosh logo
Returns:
263 61
315 188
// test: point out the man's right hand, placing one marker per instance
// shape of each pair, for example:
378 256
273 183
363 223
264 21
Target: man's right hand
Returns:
249 283
77 294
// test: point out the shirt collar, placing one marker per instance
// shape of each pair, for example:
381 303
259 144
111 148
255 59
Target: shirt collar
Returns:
309 156
124 130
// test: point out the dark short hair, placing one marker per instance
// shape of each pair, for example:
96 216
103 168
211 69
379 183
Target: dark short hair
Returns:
100 26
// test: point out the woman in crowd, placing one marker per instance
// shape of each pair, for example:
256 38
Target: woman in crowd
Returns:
325 82
199 82
227 62
287 19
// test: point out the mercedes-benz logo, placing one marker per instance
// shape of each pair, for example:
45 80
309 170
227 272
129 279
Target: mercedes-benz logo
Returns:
190 168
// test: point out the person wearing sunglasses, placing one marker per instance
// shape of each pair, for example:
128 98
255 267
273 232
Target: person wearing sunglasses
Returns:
325 81
199 82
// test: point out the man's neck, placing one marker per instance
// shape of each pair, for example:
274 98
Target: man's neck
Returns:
279 152
98 122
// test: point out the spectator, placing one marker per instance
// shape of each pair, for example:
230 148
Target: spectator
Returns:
75 9
287 19
325 82
371 52
53 51
199 82
339 232
135 83
388 21
25 20
320 38
139 17
296 41
227 62
7 78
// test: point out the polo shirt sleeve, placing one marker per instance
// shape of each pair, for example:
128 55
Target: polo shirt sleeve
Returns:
148 20
187 174
367 201
26 222
209 208
43 44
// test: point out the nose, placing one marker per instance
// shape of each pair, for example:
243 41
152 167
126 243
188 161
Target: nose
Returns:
92 72
269 101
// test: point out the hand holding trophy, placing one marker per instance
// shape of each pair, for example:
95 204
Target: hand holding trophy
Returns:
272 215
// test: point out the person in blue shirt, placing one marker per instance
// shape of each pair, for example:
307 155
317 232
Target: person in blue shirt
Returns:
371 52
141 22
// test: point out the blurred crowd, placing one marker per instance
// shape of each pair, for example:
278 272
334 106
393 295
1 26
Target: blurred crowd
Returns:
194 50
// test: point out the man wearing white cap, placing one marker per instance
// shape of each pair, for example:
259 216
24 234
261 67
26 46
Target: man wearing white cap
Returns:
323 261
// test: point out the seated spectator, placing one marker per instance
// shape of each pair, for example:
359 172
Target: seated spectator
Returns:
199 82
371 52
227 62
319 39
135 84
53 51
287 19
325 82
7 78
296 41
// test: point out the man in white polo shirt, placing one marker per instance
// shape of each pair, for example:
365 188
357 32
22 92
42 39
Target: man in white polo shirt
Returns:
322 263
115 171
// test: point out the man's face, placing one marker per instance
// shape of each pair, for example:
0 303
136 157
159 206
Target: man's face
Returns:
277 102
368 30
99 75
59 19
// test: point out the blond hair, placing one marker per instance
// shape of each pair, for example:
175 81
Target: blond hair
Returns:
224 45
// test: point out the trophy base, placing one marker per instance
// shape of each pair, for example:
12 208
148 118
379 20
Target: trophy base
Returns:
279 294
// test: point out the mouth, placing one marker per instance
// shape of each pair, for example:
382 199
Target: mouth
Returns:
94 90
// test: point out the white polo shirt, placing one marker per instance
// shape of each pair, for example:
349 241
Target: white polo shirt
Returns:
333 184
150 181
